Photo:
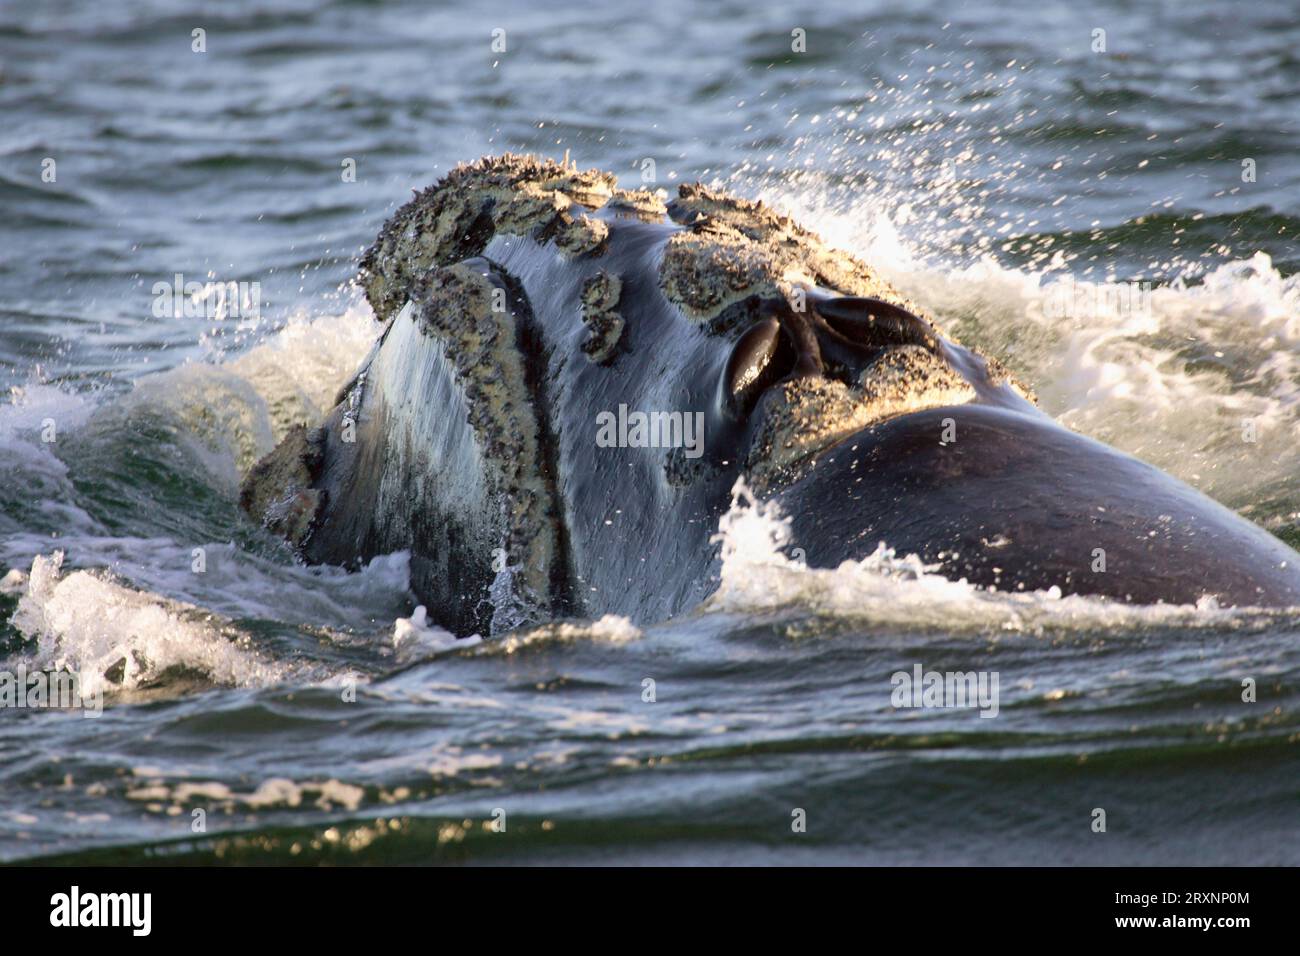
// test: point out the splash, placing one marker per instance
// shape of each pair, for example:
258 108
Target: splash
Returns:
117 638
1201 380
298 370
416 637
940 172
198 425
612 629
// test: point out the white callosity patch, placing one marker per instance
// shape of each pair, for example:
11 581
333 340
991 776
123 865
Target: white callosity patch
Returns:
734 250
600 298
454 219
483 347
804 417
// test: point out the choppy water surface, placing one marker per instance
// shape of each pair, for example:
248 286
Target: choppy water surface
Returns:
983 155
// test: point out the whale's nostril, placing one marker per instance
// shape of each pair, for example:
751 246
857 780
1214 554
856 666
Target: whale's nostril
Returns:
835 338
760 357
874 323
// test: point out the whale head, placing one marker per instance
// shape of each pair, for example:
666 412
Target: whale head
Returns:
570 381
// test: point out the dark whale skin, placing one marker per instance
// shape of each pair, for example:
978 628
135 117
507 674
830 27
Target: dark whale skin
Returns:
1018 502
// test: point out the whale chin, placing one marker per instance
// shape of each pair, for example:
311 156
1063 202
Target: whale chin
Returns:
1014 502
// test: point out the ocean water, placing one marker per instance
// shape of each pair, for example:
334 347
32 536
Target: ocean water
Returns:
988 158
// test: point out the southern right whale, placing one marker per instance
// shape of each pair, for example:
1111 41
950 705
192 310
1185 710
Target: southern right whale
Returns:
526 302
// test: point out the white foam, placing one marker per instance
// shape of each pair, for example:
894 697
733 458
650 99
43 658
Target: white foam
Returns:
237 583
611 629
31 406
33 421
14 582
226 415
1173 382
89 624
234 412
298 370
415 637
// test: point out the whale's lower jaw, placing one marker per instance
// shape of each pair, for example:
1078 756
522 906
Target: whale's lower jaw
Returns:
439 448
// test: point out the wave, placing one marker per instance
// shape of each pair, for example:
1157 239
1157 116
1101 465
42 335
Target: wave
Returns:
117 638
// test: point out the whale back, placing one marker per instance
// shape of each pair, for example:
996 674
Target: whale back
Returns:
1018 503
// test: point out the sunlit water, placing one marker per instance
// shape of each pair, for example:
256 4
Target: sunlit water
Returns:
983 156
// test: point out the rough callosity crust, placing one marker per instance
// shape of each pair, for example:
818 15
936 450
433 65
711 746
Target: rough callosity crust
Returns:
735 248
584 236
999 374
278 488
910 379
600 295
806 416
640 204
456 218
483 347
707 271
